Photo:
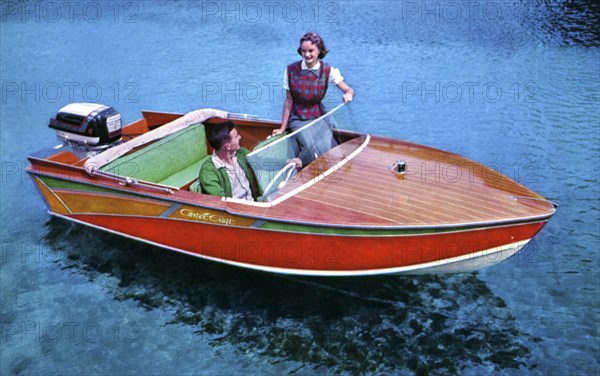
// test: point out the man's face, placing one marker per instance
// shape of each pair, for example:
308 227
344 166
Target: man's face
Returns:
234 141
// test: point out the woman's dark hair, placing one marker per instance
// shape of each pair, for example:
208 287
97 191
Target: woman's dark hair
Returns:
219 134
315 39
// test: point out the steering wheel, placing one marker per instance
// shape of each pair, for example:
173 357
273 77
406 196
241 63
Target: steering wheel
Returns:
279 180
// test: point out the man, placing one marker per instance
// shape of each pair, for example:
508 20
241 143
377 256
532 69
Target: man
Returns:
227 173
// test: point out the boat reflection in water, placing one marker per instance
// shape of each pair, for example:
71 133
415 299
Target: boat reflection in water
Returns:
362 204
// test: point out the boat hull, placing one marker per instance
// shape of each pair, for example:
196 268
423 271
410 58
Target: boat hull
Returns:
287 252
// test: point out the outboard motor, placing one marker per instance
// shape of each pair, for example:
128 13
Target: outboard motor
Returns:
89 126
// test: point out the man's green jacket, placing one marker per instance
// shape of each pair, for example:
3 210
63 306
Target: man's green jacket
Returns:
215 181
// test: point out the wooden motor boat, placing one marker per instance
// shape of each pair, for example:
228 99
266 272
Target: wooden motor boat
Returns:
367 205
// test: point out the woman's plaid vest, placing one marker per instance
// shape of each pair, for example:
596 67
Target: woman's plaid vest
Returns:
308 90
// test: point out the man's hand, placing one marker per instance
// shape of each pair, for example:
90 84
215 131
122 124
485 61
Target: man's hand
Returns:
297 161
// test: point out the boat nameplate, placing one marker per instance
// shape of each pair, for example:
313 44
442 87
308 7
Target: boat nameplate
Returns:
211 216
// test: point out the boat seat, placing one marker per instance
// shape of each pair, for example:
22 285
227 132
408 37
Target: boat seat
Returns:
186 175
174 160
195 186
269 140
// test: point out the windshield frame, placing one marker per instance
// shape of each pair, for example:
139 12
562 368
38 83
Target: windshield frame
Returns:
277 197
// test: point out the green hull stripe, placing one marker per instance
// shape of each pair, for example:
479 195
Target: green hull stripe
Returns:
287 227
67 184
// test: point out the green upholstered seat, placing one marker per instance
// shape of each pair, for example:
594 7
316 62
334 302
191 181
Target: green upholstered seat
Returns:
269 140
174 160
195 186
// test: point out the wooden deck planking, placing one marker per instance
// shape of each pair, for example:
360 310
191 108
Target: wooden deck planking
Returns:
404 190
406 210
438 193
480 196
411 207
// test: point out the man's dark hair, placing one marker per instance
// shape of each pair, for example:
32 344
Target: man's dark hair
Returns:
219 134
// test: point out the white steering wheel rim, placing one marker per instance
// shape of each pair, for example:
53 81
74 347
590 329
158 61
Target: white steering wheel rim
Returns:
288 169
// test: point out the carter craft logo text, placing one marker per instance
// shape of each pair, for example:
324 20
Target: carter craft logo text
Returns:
206 217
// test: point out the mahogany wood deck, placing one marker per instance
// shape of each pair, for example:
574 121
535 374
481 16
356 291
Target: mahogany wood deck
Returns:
438 189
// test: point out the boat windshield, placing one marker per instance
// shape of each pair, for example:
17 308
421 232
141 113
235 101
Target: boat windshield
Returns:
326 136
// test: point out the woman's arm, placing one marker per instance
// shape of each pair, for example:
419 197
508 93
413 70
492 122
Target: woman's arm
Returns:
287 109
347 90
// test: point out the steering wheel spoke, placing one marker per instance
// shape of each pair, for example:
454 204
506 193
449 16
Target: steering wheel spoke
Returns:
278 181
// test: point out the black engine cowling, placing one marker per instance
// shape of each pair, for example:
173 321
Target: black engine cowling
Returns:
87 124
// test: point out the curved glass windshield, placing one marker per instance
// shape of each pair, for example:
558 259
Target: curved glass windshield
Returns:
309 143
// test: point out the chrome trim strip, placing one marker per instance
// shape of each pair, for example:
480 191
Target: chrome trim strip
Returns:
258 223
170 211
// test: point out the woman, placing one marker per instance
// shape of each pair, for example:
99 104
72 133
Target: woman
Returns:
306 83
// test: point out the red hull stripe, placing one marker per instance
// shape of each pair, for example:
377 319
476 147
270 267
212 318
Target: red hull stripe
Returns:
311 252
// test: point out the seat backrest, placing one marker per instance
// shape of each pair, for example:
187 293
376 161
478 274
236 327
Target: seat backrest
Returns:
163 158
